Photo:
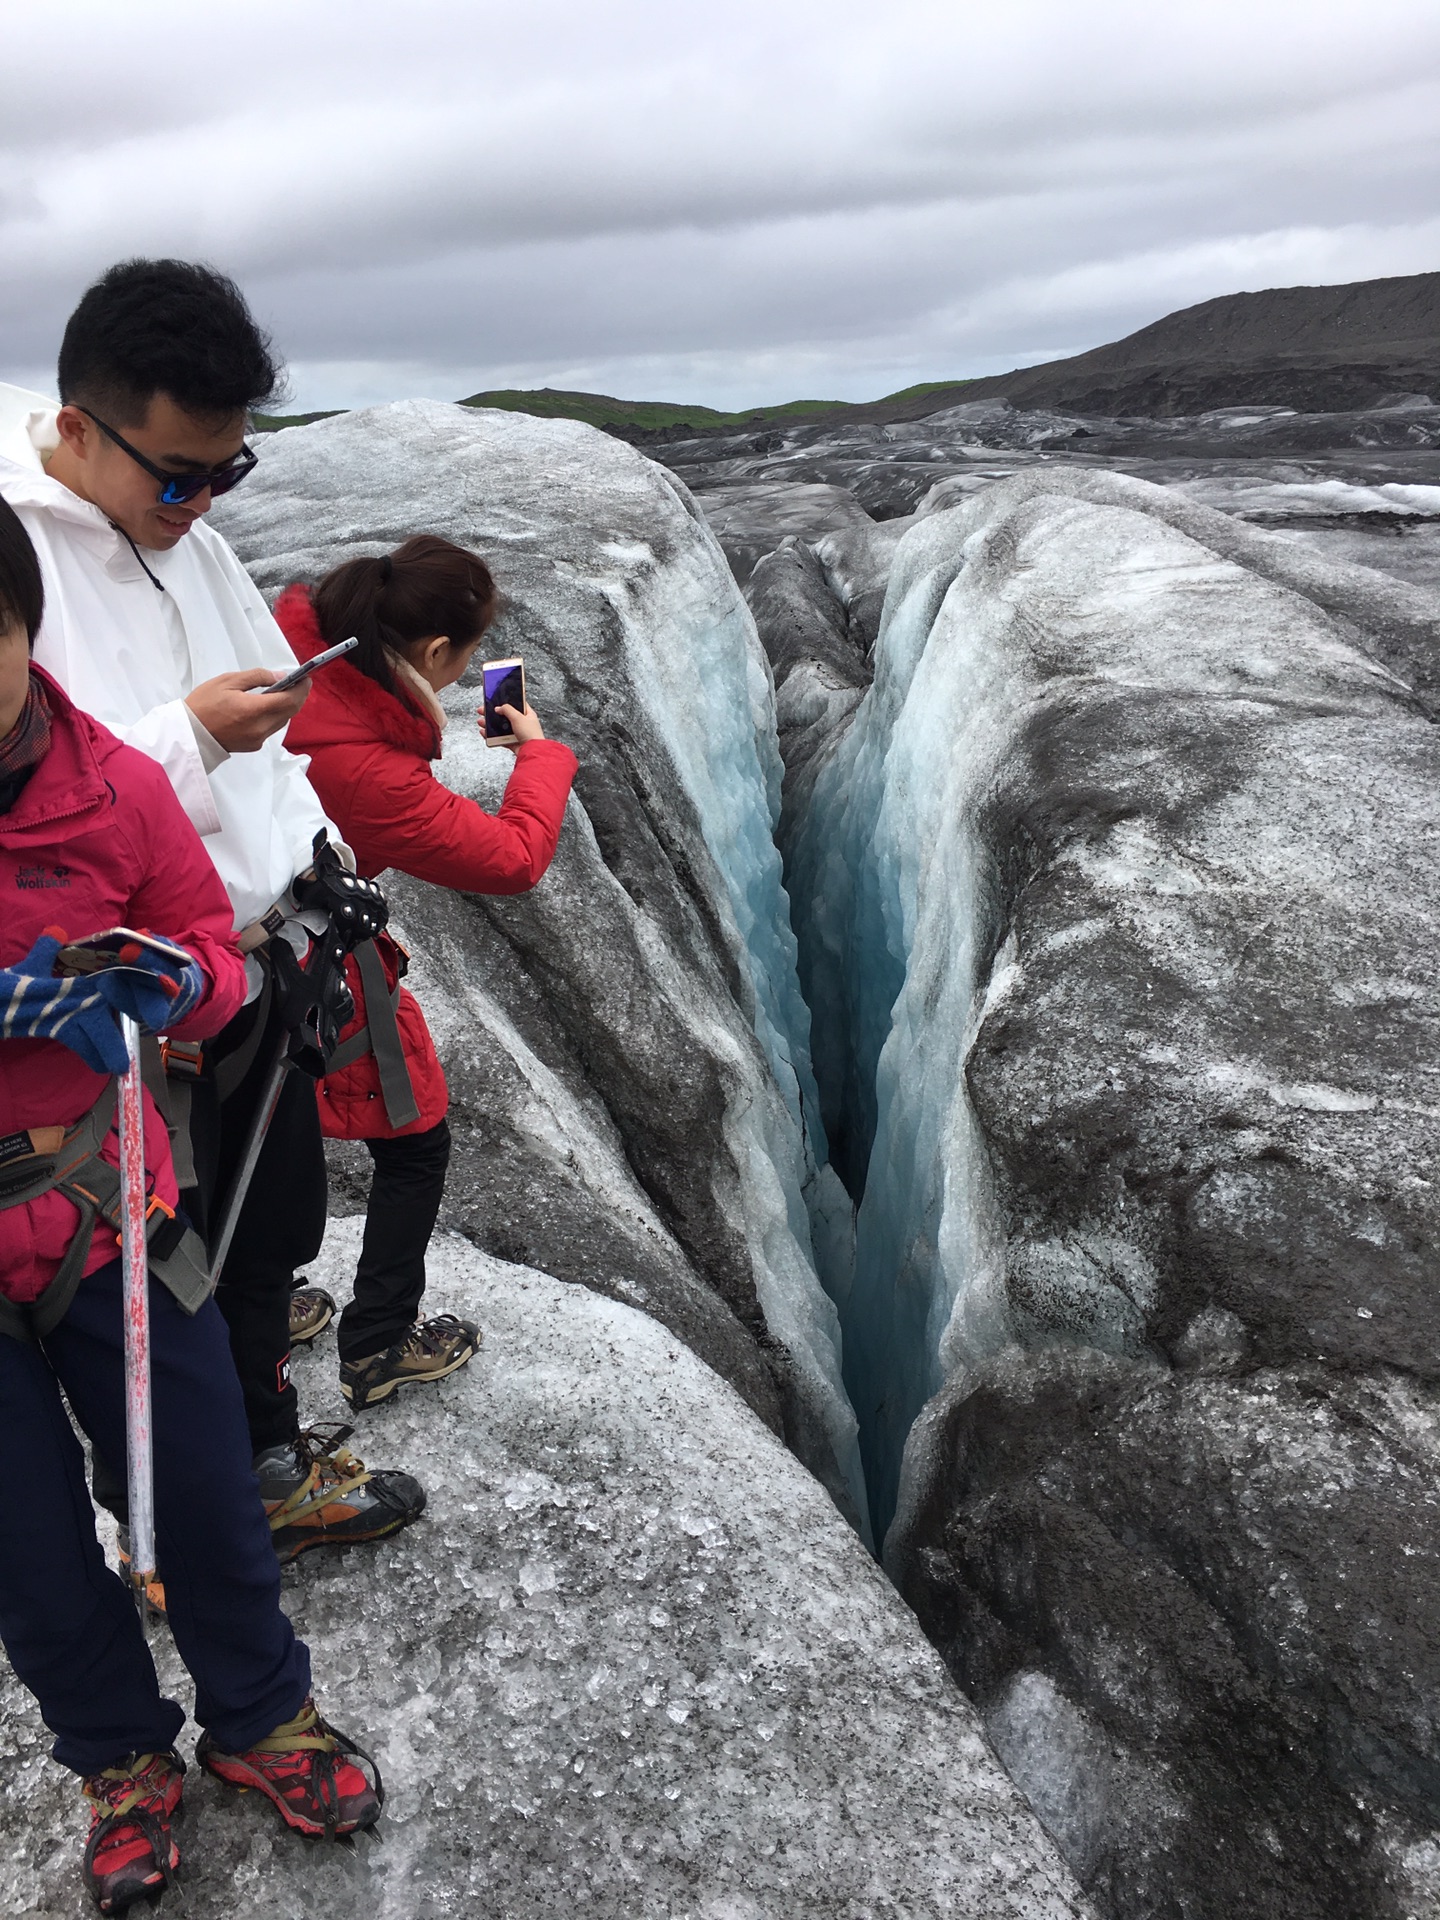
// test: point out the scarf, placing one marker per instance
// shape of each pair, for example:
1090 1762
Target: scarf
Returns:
25 746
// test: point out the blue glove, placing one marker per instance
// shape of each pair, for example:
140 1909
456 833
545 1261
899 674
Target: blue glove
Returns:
37 1006
155 991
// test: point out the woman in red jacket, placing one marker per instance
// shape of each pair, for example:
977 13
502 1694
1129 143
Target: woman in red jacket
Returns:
372 726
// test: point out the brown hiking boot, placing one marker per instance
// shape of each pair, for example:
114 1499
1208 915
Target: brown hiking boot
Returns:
429 1351
311 1311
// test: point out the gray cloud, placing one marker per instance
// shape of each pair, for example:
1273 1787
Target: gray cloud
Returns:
742 203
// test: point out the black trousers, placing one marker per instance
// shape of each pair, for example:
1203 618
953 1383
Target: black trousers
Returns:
68 1624
405 1196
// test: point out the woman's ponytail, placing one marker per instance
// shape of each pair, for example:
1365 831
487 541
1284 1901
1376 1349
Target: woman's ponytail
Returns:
428 586
351 600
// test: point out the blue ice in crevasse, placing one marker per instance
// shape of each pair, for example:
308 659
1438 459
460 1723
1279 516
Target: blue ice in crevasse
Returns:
709 693
891 1019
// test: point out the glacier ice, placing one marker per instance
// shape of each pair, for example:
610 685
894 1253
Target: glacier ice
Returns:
651 977
1120 883
631 1662
1046 598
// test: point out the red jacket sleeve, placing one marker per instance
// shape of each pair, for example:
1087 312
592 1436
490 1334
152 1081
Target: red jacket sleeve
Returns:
181 899
395 813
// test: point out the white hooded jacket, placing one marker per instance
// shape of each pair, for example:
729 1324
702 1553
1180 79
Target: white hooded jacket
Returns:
129 652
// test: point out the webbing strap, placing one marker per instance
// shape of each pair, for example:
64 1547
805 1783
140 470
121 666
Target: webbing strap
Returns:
27 1179
92 1186
230 1071
380 1036
171 1094
44 1313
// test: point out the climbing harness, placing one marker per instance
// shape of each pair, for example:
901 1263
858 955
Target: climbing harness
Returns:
381 1036
67 1160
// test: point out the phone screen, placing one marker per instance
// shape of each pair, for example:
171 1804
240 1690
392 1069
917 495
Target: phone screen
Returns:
504 687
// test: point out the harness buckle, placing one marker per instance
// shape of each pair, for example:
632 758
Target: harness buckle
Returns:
182 1059
153 1206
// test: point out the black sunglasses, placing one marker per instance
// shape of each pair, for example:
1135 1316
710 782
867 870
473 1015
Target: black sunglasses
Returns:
176 488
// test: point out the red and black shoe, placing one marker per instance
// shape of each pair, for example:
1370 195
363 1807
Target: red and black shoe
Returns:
130 1854
301 1768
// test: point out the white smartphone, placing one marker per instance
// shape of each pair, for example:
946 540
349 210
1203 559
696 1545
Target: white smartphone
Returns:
99 952
504 687
307 667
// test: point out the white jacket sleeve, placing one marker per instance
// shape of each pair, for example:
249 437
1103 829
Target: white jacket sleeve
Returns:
166 734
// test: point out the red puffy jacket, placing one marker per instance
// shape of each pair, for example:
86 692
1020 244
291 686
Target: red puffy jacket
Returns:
97 839
370 754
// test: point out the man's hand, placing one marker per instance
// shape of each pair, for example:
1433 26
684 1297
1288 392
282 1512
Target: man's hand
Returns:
242 720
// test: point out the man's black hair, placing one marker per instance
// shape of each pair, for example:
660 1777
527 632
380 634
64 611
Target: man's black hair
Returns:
22 591
165 326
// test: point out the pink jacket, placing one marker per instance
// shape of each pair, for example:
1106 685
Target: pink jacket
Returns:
97 839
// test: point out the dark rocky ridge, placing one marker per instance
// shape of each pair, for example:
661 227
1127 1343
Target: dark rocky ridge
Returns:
1317 349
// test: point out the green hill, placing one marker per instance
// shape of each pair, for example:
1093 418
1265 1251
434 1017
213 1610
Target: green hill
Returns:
603 410
652 416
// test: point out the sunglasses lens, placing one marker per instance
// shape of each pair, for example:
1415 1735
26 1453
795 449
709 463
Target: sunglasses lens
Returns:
231 477
185 487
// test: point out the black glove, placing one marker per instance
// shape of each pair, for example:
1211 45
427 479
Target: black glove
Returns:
356 908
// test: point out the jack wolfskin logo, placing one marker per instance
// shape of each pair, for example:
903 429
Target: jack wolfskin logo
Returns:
282 1374
32 879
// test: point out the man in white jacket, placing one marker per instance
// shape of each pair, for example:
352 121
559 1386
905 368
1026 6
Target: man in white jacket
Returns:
152 625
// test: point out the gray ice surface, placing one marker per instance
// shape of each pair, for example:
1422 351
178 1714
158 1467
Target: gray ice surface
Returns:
630 1664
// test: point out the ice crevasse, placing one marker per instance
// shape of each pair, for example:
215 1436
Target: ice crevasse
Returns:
890 904
662 935
1045 596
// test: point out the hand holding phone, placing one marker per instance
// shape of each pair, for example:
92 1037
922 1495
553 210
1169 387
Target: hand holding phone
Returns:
151 980
504 684
117 947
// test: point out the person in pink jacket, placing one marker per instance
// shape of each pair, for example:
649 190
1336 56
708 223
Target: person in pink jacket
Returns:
93 839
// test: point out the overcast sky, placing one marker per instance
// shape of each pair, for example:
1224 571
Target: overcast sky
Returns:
731 202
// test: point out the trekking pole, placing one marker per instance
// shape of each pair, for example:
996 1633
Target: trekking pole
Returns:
136 1270
325 959
245 1172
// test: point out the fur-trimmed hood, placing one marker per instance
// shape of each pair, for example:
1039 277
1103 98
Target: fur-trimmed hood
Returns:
346 705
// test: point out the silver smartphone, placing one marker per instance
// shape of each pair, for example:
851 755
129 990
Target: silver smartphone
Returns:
307 667
100 952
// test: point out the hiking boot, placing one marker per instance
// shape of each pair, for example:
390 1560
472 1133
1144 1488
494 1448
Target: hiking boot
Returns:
311 1311
318 1494
428 1352
154 1586
301 1769
130 1855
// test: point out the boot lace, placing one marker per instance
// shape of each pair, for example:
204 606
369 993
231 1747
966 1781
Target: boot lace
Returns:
333 1471
125 1790
310 1734
434 1336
